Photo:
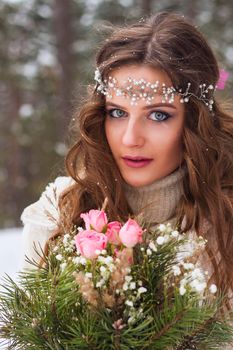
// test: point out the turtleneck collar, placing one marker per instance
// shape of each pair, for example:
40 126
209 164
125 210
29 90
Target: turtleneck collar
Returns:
157 202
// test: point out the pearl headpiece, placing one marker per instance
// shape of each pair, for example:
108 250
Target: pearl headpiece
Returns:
141 89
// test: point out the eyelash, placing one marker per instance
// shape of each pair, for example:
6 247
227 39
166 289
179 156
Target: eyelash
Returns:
110 113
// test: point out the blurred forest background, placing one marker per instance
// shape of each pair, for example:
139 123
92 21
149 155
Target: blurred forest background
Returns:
47 51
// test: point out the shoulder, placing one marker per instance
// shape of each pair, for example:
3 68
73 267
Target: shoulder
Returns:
45 211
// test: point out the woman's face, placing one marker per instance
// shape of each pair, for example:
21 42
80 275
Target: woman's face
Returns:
145 139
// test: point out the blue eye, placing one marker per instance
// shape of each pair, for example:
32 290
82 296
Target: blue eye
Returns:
116 113
159 116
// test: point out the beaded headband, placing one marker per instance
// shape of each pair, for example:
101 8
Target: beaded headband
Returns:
143 90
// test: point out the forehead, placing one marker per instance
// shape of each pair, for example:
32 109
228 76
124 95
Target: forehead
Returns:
140 71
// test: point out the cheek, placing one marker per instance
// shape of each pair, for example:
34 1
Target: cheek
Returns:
111 134
168 142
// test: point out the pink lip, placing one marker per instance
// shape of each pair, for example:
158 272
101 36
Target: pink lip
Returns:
136 162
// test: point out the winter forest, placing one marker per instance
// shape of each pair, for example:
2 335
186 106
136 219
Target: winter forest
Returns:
47 59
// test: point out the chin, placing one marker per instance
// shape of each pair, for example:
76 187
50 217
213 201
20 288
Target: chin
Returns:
138 182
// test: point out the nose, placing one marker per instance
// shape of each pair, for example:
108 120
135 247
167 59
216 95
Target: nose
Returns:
133 135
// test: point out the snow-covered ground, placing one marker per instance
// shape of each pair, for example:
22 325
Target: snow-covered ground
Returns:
10 248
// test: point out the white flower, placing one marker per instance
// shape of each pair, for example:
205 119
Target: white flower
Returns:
197 273
82 260
100 283
103 251
59 257
162 227
88 274
63 265
182 290
129 303
149 252
102 269
132 285
108 260
152 246
125 286
97 252
198 285
128 278
213 288
188 266
142 290
175 234
160 240
176 270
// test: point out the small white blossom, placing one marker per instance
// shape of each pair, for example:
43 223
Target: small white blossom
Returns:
63 265
103 251
125 286
213 288
100 283
128 278
88 274
140 283
197 273
132 285
102 269
188 266
152 246
182 290
175 234
160 240
97 252
162 227
108 260
59 257
142 290
149 252
176 270
82 260
129 303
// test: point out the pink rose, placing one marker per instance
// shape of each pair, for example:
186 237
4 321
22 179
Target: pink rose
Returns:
131 233
87 242
95 220
113 232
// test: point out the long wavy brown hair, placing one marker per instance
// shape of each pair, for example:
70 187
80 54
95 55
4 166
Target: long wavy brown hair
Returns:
166 41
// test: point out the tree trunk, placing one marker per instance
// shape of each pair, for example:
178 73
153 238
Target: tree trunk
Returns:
64 41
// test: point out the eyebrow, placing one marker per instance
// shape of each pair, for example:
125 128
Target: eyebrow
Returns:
145 107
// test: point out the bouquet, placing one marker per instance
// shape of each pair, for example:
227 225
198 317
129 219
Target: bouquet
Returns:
113 285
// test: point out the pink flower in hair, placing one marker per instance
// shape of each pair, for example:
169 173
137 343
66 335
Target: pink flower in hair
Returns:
223 76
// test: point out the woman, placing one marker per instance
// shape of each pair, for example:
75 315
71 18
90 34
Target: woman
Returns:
153 140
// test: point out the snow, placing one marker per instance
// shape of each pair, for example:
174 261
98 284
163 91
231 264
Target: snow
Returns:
10 248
